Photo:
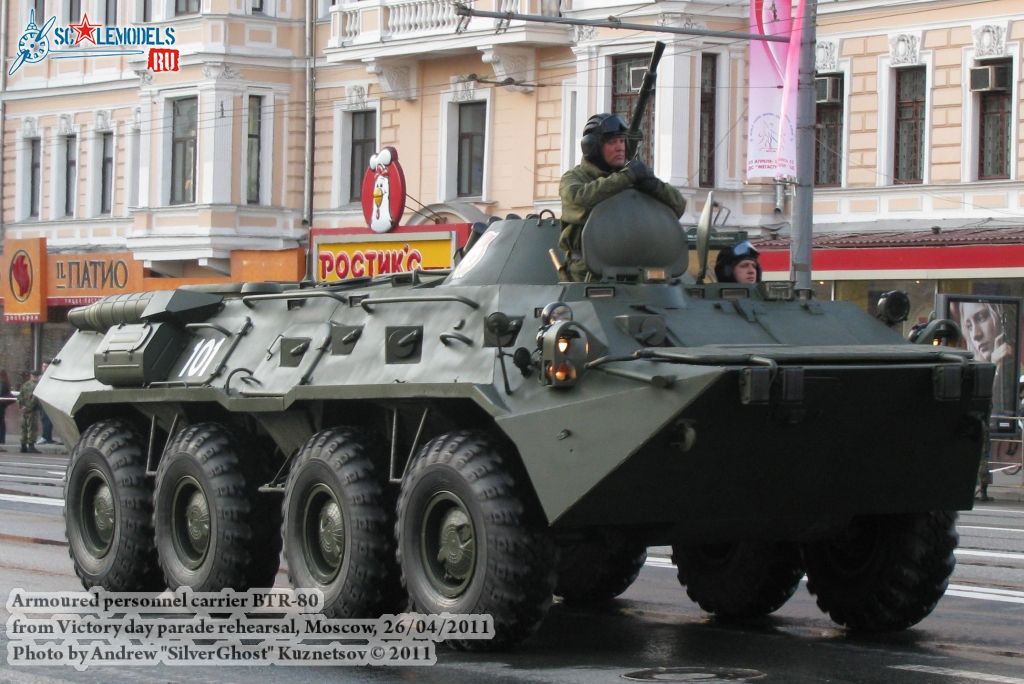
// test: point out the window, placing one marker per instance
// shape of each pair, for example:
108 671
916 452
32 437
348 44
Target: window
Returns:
107 173
257 6
186 7
627 75
706 144
995 109
74 10
364 145
147 10
472 123
909 138
253 149
40 7
183 150
70 174
35 176
111 14
828 139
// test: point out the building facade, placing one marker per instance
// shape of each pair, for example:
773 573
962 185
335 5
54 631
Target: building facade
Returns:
193 167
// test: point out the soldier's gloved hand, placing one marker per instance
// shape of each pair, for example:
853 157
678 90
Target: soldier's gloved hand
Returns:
637 170
648 186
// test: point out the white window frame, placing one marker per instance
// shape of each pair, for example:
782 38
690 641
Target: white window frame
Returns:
574 106
58 174
970 142
342 165
94 178
267 113
23 179
162 125
885 153
448 152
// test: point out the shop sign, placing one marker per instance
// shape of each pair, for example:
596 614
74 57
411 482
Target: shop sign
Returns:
338 261
82 278
383 191
24 281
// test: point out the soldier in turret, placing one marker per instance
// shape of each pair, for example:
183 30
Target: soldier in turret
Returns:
603 173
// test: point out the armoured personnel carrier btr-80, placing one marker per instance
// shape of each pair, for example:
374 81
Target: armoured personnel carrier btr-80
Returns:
480 440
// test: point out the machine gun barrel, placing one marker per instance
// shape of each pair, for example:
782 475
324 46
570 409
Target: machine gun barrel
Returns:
634 135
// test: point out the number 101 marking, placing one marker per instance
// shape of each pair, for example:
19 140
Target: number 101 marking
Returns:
202 355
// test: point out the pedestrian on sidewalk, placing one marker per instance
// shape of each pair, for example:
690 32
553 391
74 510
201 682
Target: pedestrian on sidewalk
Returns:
29 414
6 398
44 420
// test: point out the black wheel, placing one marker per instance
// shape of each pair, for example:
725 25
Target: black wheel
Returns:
598 570
739 580
885 572
213 531
338 525
108 510
471 538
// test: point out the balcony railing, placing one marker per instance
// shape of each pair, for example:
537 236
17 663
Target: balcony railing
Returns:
362 22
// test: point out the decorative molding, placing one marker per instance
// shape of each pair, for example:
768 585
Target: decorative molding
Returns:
64 125
989 40
30 127
511 63
583 33
355 97
679 20
145 76
905 49
826 56
463 88
103 121
220 71
397 79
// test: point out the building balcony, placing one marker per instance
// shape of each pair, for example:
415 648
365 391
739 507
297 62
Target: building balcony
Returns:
363 30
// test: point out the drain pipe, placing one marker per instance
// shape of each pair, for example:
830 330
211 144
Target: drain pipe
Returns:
307 194
780 199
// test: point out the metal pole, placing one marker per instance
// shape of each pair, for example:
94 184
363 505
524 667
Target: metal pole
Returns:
307 194
464 11
803 202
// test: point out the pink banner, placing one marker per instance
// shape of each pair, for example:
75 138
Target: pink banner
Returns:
771 138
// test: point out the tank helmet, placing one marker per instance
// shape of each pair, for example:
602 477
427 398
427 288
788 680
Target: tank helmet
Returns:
725 264
597 131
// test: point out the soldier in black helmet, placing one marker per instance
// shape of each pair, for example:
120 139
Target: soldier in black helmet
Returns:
603 172
738 264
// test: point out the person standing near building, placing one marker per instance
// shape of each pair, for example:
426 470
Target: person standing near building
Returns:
5 399
29 414
603 173
44 420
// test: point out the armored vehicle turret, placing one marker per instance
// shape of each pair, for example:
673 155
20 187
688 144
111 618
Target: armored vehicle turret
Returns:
480 440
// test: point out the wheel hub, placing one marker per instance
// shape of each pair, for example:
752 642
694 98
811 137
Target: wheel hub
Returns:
97 514
190 520
448 543
323 534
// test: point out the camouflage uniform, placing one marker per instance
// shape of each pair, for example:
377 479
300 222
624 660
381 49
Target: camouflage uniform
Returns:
581 188
29 415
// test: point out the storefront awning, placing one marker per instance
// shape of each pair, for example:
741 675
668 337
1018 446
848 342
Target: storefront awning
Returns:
895 255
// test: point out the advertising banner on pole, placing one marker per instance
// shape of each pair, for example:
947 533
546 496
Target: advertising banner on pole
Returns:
771 139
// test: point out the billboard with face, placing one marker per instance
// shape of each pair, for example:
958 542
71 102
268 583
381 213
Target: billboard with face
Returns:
991 330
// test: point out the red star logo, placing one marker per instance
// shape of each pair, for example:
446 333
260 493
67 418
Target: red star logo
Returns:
85 30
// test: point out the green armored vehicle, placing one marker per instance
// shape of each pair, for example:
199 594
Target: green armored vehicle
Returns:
477 441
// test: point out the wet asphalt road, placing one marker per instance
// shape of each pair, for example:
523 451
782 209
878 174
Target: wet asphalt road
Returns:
652 633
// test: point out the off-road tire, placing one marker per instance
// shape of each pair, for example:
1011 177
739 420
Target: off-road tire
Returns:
117 553
886 573
510 572
596 571
740 580
337 477
206 463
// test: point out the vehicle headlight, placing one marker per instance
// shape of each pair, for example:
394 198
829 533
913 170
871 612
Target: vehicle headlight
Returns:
565 349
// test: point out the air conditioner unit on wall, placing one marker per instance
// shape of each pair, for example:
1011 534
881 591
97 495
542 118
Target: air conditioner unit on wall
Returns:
990 77
828 89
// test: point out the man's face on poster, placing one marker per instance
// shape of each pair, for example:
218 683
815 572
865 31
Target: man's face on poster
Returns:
981 328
